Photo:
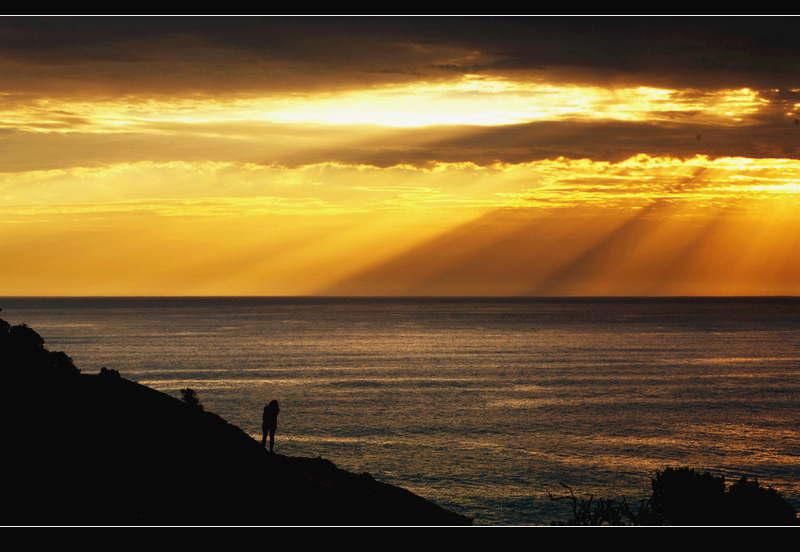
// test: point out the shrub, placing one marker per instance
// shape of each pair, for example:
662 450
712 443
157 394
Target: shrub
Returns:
111 373
604 511
682 496
23 353
25 338
751 504
190 397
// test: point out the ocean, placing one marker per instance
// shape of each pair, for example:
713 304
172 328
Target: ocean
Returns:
480 405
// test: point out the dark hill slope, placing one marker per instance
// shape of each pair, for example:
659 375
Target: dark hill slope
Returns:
99 449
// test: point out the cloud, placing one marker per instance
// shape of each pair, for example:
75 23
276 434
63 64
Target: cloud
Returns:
407 129
292 91
361 138
214 55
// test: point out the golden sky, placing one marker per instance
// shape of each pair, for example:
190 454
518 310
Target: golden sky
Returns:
399 156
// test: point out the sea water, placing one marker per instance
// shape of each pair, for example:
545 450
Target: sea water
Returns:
480 405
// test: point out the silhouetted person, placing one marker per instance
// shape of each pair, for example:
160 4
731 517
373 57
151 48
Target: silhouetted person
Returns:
269 423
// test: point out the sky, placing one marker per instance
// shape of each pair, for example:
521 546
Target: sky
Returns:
401 156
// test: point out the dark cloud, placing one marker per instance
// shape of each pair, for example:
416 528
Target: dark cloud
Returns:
218 54
611 141
615 141
705 52
115 57
267 144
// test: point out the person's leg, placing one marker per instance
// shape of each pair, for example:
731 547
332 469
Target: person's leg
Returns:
264 437
271 438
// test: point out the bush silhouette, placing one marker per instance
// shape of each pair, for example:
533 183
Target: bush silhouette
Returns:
682 496
23 354
604 511
190 397
25 337
110 373
751 504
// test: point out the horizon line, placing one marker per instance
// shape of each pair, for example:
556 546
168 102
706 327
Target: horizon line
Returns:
407 297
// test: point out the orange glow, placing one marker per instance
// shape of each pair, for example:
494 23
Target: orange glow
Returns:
470 100
249 170
645 225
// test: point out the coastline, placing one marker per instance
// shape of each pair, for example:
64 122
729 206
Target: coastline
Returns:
103 450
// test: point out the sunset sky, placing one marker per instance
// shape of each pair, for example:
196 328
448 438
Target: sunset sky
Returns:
399 156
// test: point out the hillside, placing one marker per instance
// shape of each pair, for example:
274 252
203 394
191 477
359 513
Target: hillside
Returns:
99 449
